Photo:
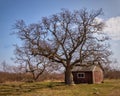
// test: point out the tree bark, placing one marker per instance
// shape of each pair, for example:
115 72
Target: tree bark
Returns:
68 76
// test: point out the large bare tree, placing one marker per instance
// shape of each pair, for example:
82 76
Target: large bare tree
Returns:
67 38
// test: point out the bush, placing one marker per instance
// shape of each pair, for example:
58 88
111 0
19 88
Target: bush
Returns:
26 77
112 74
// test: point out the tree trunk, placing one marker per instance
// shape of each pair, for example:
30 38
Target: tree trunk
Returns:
68 76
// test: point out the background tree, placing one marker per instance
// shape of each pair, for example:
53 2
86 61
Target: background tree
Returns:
67 38
35 65
6 67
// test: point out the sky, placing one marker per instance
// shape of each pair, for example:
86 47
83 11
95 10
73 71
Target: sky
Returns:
31 11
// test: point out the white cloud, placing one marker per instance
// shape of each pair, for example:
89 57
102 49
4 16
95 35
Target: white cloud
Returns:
98 19
112 28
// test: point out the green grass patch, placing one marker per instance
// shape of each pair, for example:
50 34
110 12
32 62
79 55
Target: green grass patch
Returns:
108 88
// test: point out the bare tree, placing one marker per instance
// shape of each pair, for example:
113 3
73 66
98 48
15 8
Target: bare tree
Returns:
67 38
5 67
29 63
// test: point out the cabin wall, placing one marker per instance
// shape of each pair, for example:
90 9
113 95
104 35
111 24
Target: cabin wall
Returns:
97 75
87 79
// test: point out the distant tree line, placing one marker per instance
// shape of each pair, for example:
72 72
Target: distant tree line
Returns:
10 73
13 73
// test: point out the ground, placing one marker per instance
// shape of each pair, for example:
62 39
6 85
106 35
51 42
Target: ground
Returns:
108 88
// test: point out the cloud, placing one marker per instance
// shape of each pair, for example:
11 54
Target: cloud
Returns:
112 28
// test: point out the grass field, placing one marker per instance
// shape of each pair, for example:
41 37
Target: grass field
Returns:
108 88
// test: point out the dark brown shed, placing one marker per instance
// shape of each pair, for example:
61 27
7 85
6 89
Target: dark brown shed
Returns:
87 74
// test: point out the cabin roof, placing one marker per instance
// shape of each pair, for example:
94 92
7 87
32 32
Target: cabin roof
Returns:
83 68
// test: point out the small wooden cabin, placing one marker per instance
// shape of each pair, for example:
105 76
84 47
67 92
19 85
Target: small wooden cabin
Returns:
87 74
